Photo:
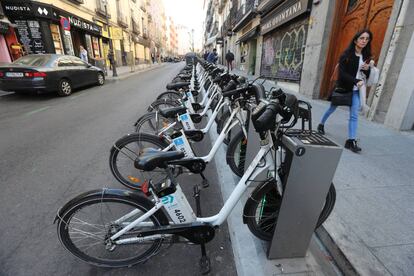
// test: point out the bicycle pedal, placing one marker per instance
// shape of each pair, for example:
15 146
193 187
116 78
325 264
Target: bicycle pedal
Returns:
204 183
205 265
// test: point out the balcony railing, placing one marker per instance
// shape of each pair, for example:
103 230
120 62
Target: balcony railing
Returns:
77 1
100 8
135 27
244 9
122 19
149 18
145 33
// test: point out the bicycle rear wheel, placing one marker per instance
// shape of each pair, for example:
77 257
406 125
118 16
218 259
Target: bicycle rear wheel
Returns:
263 206
170 95
153 122
236 153
160 104
123 154
85 227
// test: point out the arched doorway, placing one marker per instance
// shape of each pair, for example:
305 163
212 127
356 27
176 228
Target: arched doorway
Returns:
354 15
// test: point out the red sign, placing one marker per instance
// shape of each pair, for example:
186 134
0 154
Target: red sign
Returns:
64 22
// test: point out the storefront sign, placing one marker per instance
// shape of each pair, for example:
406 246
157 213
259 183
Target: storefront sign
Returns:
64 22
20 9
117 33
219 41
284 13
82 24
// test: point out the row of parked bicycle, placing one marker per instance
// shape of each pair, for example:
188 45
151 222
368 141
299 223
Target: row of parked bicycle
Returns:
123 227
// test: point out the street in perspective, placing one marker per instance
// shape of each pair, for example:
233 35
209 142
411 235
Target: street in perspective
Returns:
206 137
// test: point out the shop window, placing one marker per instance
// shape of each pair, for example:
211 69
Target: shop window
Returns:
57 42
95 46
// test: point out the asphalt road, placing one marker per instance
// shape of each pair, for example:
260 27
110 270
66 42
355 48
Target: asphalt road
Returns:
53 148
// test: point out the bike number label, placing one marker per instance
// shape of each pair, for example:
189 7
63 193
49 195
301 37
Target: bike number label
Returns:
181 144
187 122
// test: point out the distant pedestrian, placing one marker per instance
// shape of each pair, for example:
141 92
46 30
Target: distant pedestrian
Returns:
212 57
205 55
229 59
153 57
83 54
354 67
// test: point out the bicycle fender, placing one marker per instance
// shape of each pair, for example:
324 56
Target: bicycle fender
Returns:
253 196
120 193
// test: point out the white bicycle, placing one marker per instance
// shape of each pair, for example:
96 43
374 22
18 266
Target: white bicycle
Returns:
117 228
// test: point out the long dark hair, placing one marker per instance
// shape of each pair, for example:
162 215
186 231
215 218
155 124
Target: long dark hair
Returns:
366 51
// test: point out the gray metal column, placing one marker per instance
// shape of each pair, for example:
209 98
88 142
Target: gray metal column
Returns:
312 161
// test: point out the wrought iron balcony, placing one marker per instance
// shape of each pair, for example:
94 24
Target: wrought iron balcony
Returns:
135 27
243 12
100 8
145 33
77 1
122 19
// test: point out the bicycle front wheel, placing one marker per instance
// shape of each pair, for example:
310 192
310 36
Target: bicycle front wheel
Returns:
125 151
85 227
154 122
263 206
236 153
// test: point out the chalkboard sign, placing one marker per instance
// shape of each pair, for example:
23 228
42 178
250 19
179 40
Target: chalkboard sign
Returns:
29 34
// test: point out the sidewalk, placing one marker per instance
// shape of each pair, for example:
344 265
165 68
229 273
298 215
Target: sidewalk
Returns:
371 229
125 71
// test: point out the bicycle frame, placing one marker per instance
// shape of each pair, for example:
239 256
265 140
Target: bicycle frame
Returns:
230 124
263 156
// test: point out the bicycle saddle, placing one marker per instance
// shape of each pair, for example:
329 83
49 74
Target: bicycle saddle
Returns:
151 158
177 85
173 111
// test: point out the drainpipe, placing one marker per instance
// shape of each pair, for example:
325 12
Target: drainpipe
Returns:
388 60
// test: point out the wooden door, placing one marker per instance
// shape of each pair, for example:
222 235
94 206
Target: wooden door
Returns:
355 15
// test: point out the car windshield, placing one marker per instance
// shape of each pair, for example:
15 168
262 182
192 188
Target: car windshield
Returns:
35 60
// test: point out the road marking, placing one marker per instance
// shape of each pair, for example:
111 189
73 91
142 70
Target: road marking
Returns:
36 111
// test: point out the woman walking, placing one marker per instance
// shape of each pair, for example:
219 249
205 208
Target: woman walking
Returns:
353 62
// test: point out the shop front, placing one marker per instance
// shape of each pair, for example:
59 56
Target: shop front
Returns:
247 48
284 31
42 28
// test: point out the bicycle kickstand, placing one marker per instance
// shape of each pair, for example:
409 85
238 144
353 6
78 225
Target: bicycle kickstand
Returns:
204 182
205 260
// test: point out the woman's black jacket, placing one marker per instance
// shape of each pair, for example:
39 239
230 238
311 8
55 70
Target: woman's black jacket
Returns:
348 67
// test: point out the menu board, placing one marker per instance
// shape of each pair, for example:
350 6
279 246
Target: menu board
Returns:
29 34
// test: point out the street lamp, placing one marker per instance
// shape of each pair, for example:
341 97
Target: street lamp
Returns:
111 48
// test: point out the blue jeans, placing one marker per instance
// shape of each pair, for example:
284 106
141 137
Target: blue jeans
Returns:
353 115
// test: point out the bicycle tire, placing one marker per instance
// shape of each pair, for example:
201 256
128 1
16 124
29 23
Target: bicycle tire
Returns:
220 125
170 95
236 153
68 236
129 176
263 227
153 122
162 104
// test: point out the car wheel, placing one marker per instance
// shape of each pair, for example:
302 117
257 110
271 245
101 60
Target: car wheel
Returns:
65 88
101 79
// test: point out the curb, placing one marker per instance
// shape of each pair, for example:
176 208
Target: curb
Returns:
130 74
339 257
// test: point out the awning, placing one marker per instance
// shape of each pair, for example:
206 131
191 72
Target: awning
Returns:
249 35
7 21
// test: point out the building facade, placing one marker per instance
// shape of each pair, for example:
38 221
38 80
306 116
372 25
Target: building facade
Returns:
298 42
62 26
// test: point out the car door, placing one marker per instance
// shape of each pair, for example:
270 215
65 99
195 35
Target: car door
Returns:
65 69
87 74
